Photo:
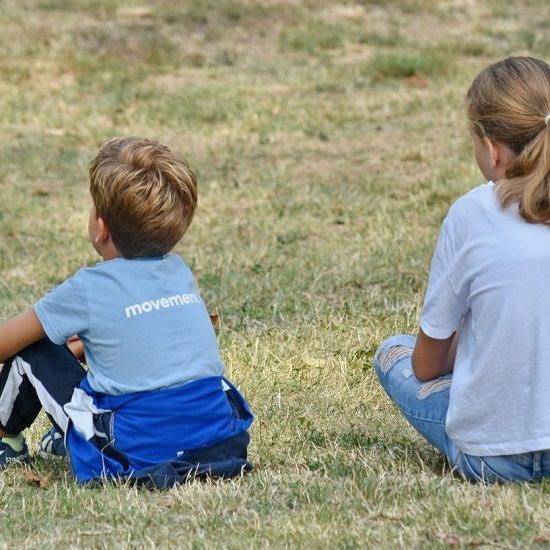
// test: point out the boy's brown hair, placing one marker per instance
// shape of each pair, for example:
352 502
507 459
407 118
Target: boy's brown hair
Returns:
146 194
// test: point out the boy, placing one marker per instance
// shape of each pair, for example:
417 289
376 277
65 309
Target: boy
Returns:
153 405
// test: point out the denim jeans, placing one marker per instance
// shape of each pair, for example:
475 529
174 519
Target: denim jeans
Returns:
425 404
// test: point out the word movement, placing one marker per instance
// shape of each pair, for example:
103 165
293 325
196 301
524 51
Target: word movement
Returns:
166 302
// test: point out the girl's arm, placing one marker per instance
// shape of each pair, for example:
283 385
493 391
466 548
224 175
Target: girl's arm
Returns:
433 358
18 333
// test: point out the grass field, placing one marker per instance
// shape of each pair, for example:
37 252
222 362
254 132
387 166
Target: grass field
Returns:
329 140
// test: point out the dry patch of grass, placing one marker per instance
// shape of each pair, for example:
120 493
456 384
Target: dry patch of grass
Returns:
329 141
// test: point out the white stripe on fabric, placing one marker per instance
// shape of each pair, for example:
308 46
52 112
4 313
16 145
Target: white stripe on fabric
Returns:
10 393
435 386
81 410
49 404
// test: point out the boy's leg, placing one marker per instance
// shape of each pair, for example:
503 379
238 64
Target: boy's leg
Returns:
424 404
42 375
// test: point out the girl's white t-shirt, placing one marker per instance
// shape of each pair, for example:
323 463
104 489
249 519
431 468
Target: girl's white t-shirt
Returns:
491 272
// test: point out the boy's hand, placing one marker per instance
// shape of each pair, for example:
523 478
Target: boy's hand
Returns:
74 343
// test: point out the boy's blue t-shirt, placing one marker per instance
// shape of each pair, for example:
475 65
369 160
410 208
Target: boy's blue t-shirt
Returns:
142 321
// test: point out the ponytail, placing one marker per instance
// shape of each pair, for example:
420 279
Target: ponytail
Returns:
528 180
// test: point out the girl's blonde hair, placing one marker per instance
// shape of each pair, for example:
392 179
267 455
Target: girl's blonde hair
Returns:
509 102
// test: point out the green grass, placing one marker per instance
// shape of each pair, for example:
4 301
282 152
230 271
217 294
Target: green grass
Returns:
392 66
325 171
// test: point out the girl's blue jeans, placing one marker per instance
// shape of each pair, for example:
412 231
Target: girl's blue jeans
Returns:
425 404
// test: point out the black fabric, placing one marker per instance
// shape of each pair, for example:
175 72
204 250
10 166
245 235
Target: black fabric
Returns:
223 460
104 438
58 371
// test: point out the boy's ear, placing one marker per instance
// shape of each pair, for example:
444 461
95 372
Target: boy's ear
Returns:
103 233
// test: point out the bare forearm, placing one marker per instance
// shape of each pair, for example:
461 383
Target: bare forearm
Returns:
433 358
18 333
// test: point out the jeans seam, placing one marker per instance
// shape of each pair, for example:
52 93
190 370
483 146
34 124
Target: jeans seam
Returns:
465 464
484 465
412 414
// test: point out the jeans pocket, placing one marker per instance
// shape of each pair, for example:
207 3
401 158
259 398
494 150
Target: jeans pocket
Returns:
524 460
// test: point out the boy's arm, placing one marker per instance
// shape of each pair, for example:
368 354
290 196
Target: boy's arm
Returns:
433 358
18 333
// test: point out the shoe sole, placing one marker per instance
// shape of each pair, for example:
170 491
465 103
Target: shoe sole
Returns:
11 461
46 454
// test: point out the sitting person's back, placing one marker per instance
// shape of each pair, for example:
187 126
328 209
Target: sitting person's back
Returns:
141 320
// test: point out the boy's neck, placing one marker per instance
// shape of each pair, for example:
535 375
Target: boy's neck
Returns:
108 251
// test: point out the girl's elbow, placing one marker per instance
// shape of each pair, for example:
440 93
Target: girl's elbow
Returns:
423 376
422 372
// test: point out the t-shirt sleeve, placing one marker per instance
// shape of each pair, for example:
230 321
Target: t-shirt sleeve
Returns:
444 307
63 312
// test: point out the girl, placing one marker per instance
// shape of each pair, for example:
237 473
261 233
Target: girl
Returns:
476 381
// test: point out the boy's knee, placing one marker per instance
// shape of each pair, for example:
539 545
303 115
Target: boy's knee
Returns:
46 351
43 346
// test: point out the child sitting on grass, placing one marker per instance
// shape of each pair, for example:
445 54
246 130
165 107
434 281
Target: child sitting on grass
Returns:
476 381
153 405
